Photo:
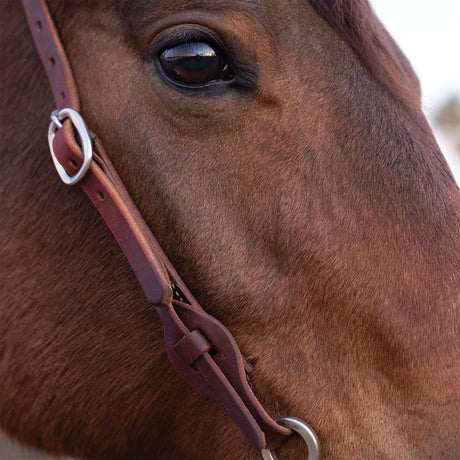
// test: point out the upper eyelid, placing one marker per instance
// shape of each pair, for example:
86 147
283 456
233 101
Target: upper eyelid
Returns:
178 37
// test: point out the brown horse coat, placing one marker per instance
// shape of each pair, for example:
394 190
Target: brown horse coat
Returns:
306 205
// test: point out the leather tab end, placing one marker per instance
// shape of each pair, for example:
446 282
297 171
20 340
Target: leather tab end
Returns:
192 346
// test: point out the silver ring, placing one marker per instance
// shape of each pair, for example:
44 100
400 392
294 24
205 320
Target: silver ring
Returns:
302 428
56 118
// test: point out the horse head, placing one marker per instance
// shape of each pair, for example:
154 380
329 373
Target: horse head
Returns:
279 153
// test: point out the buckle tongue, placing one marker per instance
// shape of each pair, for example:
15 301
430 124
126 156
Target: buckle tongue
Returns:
57 117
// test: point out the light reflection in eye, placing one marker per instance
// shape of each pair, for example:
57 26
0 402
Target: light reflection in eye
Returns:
194 63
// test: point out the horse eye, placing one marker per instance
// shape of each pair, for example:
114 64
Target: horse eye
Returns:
194 63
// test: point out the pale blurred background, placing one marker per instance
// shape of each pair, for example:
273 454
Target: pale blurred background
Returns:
428 32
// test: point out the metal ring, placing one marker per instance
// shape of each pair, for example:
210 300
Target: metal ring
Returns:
302 428
56 118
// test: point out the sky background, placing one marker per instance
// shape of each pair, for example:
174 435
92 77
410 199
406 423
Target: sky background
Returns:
428 32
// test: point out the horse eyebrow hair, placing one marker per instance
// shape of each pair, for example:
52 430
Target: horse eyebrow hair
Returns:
130 6
357 23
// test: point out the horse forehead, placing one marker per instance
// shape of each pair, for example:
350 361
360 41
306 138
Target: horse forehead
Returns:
161 5
263 9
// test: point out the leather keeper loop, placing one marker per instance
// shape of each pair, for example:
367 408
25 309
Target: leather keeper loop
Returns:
192 346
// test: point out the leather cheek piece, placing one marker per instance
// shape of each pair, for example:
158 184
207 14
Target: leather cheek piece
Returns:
190 333
121 215
52 54
222 377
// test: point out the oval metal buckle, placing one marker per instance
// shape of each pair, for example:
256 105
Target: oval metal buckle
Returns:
302 428
56 118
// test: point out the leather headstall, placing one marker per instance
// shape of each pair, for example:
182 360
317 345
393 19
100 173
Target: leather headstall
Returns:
190 333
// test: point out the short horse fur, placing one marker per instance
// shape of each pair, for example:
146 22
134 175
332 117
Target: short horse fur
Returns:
309 209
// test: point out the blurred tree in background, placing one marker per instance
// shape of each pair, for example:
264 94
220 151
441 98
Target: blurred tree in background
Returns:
448 119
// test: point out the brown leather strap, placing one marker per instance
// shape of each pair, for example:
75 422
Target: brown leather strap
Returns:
191 335
221 377
110 197
52 54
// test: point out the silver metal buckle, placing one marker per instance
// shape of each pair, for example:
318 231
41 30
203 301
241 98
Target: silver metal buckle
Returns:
302 428
57 117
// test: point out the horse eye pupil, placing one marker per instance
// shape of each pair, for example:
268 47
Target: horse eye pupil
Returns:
192 63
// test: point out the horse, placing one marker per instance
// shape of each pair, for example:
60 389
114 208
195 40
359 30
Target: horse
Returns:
293 181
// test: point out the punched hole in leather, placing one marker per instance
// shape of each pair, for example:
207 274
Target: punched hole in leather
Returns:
52 54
